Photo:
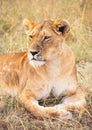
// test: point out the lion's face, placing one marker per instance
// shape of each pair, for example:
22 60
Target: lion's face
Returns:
44 40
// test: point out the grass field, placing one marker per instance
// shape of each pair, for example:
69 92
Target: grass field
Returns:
13 38
12 13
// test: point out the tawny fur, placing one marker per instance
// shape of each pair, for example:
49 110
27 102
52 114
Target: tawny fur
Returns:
52 72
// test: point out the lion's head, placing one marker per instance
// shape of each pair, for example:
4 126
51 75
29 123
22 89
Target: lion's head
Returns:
44 40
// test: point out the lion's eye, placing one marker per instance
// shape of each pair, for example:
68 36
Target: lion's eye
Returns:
30 36
46 37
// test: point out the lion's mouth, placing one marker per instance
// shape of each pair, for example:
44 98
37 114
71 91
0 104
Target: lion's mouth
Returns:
35 59
37 62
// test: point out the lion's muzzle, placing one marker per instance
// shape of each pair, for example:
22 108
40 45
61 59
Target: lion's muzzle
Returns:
35 59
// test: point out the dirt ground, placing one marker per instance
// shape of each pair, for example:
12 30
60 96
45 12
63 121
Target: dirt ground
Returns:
15 117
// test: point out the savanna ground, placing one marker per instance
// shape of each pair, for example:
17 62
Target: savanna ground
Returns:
12 38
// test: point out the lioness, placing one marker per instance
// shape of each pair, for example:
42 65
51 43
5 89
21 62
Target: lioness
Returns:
48 67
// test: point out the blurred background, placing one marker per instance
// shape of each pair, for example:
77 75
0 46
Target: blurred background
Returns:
13 39
77 12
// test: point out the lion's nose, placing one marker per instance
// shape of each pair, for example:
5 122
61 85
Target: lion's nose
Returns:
34 52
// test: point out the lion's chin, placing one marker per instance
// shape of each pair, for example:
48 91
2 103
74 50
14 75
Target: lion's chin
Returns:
36 63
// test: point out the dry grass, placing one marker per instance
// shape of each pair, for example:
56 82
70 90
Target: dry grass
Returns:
12 13
12 38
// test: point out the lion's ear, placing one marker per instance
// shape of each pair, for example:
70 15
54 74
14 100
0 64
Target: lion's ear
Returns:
28 25
61 26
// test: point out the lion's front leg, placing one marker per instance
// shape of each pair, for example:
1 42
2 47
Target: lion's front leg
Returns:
31 104
75 102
